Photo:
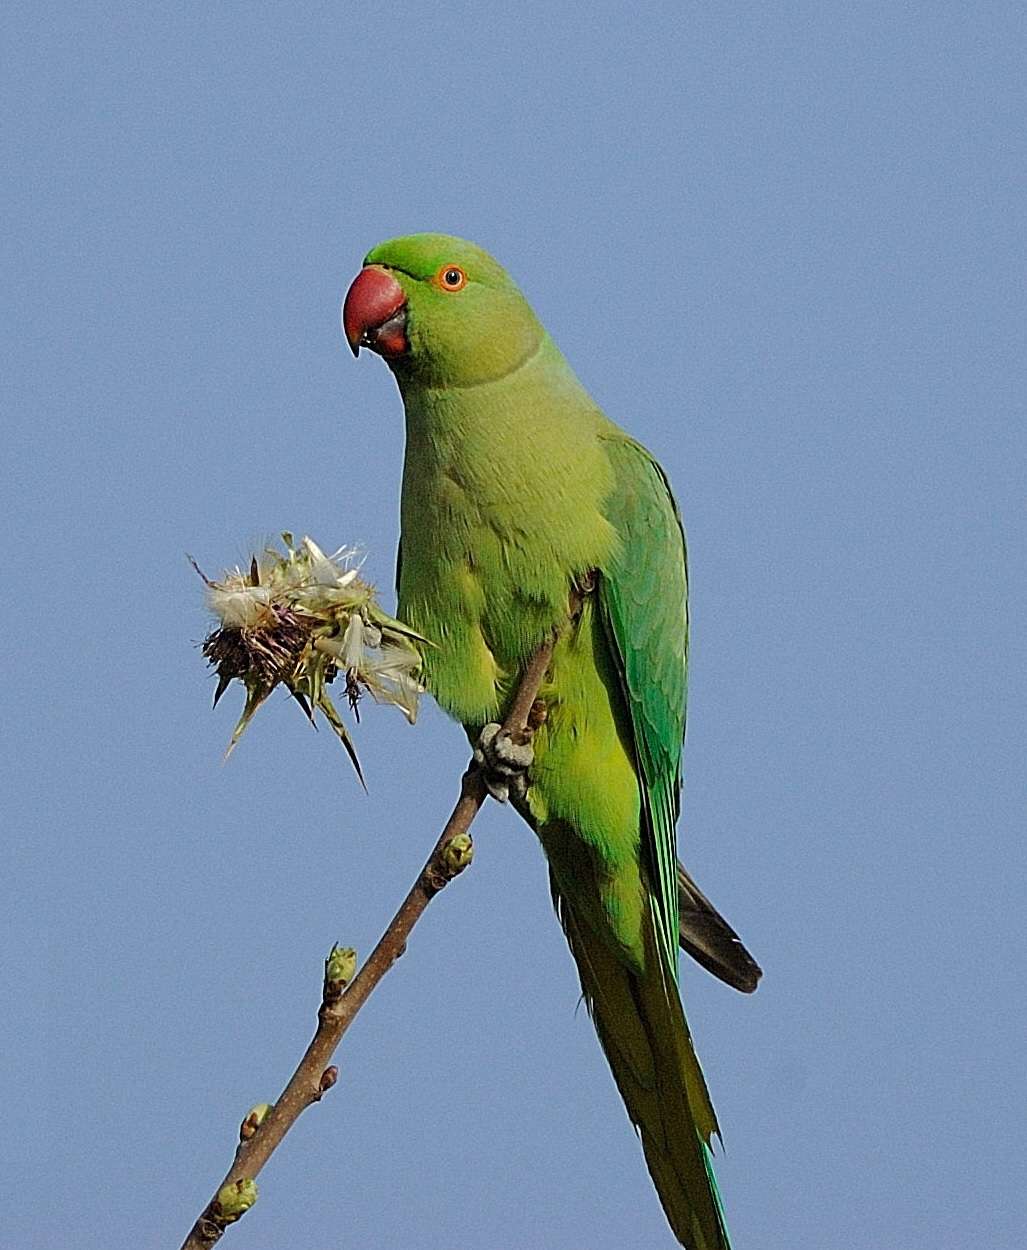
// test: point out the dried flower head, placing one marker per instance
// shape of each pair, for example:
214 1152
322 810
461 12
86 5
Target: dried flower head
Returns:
300 619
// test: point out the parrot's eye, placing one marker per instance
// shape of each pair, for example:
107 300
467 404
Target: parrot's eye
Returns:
451 278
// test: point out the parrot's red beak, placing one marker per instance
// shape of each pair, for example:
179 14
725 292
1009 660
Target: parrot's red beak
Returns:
374 314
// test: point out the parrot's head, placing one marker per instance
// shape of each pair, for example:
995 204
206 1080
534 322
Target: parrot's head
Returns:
440 311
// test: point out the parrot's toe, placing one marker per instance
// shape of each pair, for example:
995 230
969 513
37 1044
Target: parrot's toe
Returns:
503 762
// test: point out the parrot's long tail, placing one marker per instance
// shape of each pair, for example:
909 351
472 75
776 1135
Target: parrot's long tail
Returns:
643 1031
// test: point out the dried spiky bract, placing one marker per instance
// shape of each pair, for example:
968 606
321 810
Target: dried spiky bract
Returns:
300 619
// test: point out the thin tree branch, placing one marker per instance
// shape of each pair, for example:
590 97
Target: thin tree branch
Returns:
261 1134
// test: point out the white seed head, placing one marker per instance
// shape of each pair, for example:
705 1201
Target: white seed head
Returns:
310 617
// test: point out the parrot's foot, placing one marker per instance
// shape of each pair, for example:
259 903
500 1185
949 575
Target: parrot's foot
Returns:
504 763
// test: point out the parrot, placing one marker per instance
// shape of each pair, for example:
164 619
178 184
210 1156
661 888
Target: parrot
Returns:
526 514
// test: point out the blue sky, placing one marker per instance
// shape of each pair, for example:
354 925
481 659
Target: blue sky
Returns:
783 245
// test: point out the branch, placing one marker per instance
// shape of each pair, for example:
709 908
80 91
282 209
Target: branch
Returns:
264 1128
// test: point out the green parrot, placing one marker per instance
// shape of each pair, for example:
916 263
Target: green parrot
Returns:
526 511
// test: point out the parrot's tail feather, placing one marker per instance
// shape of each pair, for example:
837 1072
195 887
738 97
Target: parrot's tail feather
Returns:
710 940
643 1032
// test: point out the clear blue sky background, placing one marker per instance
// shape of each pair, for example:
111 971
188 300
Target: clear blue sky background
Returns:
783 245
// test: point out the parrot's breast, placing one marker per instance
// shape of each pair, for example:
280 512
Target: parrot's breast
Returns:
503 487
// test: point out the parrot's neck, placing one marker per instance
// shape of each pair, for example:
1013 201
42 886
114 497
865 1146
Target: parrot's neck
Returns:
488 440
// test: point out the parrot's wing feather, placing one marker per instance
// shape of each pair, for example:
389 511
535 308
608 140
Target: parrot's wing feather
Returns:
711 941
644 603
643 599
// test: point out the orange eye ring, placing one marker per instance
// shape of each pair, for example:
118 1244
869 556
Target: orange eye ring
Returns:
451 278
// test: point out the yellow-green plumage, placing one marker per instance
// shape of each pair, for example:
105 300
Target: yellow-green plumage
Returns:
515 489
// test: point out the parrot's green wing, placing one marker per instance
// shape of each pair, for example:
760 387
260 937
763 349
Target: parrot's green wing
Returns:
643 597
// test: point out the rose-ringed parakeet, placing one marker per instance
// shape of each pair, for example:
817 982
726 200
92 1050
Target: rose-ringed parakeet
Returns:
526 511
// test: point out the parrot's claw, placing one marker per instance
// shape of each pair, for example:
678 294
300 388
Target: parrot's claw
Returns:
504 763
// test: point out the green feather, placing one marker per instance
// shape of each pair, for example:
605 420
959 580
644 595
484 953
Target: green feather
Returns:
644 598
